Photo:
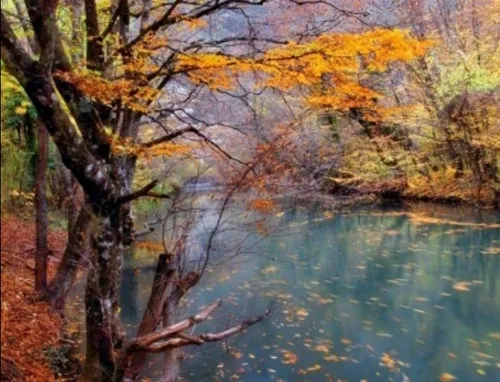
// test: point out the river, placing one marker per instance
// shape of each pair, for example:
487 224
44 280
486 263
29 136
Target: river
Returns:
373 294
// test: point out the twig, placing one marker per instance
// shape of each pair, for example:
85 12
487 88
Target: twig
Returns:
137 194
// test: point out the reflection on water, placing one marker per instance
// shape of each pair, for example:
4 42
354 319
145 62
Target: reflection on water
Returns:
370 295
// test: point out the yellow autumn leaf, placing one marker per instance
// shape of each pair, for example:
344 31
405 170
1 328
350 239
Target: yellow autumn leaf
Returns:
461 286
495 336
321 348
302 312
314 368
332 358
290 358
447 377
20 110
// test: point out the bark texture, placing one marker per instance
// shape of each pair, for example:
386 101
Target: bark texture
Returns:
42 249
75 254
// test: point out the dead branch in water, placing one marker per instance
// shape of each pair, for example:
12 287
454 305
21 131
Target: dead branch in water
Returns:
173 336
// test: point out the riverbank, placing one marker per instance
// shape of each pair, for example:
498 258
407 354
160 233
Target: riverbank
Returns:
29 329
418 188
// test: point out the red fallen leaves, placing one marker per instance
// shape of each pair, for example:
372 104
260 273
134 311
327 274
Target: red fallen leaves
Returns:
27 327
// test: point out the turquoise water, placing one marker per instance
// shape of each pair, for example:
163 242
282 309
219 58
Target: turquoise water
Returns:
376 295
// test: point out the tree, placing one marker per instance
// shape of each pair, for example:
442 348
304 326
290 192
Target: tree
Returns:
42 249
94 111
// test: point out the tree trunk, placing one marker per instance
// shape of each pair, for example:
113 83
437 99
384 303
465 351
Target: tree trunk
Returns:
76 31
104 334
72 202
172 362
33 46
76 250
42 249
161 290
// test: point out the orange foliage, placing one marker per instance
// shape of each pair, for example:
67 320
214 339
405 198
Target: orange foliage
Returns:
127 146
262 205
127 91
328 66
27 326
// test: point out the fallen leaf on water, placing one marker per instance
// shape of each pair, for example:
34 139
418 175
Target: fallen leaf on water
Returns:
461 286
492 251
387 361
421 299
381 334
481 372
332 358
314 368
345 341
495 336
483 355
236 354
270 269
447 377
302 312
322 348
290 358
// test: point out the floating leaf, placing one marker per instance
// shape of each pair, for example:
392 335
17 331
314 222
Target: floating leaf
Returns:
461 286
332 358
290 358
495 336
345 341
270 269
314 368
321 348
447 377
302 312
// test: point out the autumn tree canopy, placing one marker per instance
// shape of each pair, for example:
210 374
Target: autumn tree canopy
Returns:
121 85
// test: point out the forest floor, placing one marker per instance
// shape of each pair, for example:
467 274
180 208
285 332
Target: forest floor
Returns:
29 328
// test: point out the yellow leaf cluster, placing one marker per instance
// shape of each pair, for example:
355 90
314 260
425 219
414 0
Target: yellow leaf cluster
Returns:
127 147
195 23
328 66
124 90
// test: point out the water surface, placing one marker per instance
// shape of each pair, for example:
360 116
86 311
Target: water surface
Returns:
374 295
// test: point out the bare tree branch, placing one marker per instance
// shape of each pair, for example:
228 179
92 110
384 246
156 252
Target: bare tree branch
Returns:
184 339
137 194
192 129
145 341
158 195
